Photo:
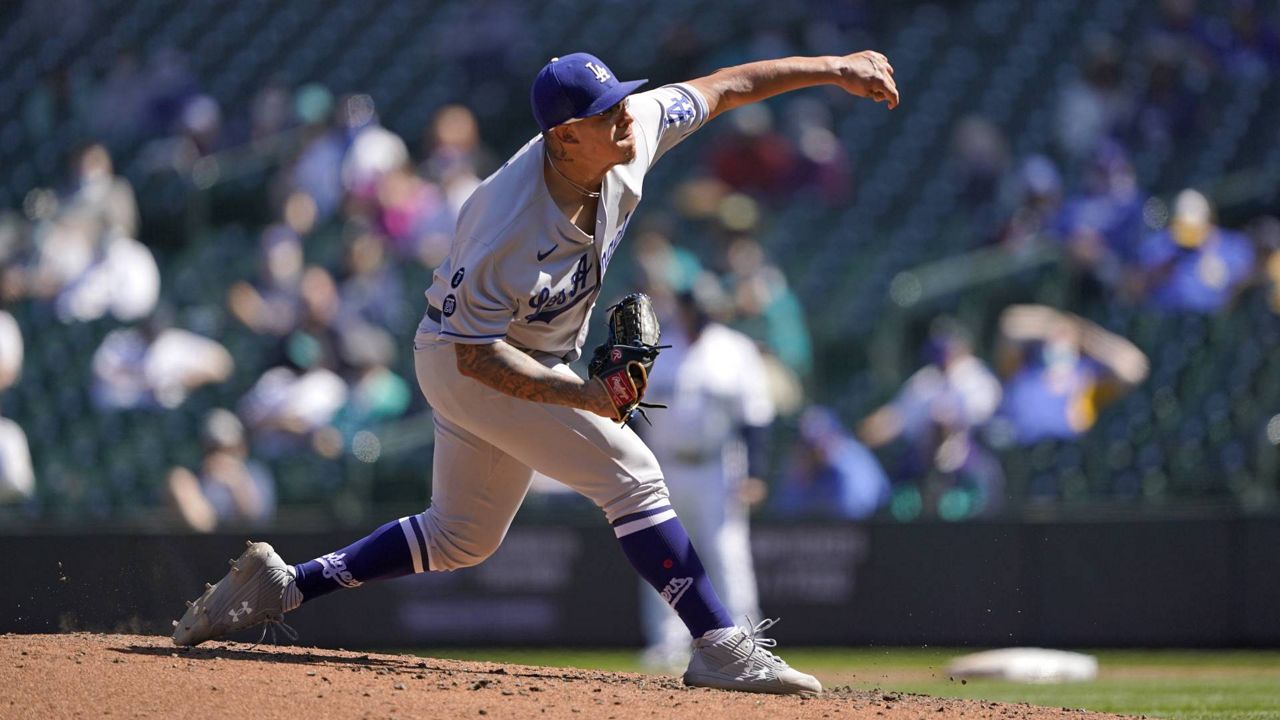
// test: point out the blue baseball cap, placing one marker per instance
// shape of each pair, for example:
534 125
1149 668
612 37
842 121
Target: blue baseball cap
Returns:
576 86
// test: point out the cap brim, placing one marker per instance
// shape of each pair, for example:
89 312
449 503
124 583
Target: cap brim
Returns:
611 97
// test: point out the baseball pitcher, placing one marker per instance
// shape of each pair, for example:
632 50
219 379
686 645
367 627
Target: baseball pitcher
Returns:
507 312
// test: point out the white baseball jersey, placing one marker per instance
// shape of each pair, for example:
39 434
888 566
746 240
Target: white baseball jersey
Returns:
519 269
714 386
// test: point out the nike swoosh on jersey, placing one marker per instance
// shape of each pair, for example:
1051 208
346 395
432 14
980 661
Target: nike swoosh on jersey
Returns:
544 255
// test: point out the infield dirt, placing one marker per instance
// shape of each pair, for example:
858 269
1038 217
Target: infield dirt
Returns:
89 675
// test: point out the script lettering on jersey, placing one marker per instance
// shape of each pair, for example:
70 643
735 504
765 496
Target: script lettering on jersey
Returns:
613 244
550 302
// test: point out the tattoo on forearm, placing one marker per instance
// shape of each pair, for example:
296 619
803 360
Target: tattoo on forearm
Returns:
509 371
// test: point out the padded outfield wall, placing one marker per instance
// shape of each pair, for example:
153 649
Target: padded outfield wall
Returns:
1192 583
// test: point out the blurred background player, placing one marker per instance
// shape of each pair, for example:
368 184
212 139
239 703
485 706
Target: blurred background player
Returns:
711 443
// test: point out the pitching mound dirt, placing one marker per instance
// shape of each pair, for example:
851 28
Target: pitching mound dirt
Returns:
89 675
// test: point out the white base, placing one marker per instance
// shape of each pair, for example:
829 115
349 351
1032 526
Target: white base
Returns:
1028 665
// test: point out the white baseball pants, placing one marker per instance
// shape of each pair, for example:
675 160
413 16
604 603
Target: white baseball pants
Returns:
487 445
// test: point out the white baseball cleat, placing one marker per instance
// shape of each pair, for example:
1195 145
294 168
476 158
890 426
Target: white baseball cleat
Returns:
739 659
258 589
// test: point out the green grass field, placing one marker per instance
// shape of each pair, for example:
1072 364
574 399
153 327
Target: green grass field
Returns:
1190 685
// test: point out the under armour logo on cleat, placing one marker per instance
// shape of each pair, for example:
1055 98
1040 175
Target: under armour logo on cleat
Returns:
244 609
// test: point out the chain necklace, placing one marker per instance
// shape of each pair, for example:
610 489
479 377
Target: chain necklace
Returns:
575 185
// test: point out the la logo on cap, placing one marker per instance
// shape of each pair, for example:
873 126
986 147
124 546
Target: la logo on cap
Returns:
601 74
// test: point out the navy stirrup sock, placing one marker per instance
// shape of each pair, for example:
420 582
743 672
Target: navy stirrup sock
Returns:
395 549
659 548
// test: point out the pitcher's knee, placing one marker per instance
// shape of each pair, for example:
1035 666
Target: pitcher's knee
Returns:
638 497
453 544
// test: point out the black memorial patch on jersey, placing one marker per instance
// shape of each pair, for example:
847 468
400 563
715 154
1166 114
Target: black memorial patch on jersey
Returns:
457 277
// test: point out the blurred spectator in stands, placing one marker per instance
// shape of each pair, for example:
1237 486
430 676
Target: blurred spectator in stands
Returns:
201 125
155 365
455 157
712 445
272 305
120 100
317 171
936 415
52 253
294 403
170 86
1036 198
415 216
316 342
377 394
125 282
750 156
830 474
99 195
766 308
371 291
271 110
1169 108
81 252
15 251
123 278
287 409
82 255
1102 226
1248 42
299 213
1095 105
822 161
1182 20
229 488
197 133
17 480
372 150
11 349
980 156
1193 265
1060 370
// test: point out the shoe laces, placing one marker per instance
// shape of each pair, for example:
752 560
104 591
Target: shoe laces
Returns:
758 653
290 599
272 623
